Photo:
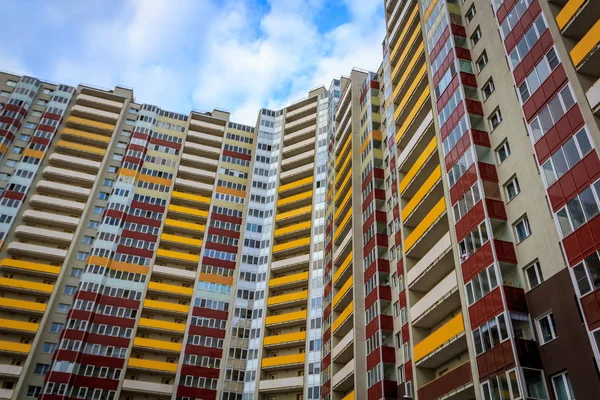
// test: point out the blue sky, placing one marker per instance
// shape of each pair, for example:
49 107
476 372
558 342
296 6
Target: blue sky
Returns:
239 55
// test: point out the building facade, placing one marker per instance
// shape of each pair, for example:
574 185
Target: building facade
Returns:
429 230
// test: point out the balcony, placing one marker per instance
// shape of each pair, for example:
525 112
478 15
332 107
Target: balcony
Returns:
344 248
163 306
441 345
287 340
456 384
299 124
342 324
283 362
57 204
163 326
29 267
50 219
577 17
343 272
411 123
21 305
427 163
202 150
288 300
301 185
293 231
199 162
428 232
290 264
11 325
63 160
14 347
33 250
80 149
424 198
84 137
78 178
293 216
282 385
299 160
298 148
23 286
204 138
48 235
185 292
208 127
191 199
188 212
182 226
301 112
300 135
147 388
343 380
296 318
178 257
343 297
432 267
344 349
584 55
193 186
157 345
63 189
296 174
289 281
593 96
196 174
440 301
152 366
88 124
97 102
6 393
10 371
182 241
292 247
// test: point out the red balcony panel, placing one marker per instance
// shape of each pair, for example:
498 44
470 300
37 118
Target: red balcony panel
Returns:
408 371
459 149
575 181
375 392
474 107
147 206
226 218
463 184
139 235
202 330
144 221
209 313
495 360
140 135
477 262
203 351
372 327
221 247
98 383
59 377
590 303
326 361
73 334
166 143
111 362
135 147
505 251
496 209
470 221
371 298
450 381
115 301
326 388
388 354
66 355
379 173
373 358
468 79
385 293
486 308
443 68
458 30
134 251
398 238
481 138
582 242
108 340
400 267
390 387
215 262
537 52
528 353
452 121
544 93
199 371
237 155
379 194
383 265
194 392
40 140
515 299
45 396
327 290
405 334
440 44
10 194
387 322
463 54
488 172
327 311
113 320
402 298
327 335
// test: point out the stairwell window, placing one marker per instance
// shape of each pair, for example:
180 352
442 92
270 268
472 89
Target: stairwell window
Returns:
495 119
482 61
522 229
534 275
546 326
476 36
488 89
512 188
471 12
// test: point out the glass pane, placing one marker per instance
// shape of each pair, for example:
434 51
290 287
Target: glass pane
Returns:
540 25
556 109
484 233
470 297
583 141
593 266
582 280
476 288
545 330
493 280
514 58
485 337
493 326
543 71
504 391
560 387
567 98
477 341
532 277
523 47
571 153
534 382
549 174
533 82
520 7
485 283
531 36
552 59
476 195
590 207
560 164
502 327
576 213
536 130
545 120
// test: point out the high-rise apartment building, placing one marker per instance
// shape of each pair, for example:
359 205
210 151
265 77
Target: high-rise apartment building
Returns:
430 230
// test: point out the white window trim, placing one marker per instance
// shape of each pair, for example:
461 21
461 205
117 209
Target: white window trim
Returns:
539 328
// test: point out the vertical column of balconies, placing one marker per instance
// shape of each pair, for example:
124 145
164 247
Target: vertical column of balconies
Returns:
285 341
202 358
498 317
563 132
380 357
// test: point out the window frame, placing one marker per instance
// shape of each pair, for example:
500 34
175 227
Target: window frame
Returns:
564 375
524 219
551 324
495 114
512 182
482 56
503 146
536 267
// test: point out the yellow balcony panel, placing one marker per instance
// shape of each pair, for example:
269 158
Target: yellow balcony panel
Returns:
295 297
155 179
193 198
399 66
27 286
287 318
223 280
413 114
85 136
157 344
342 292
173 289
438 337
188 211
568 12
416 167
294 359
164 306
299 228
181 240
300 183
407 28
344 147
584 50
44 269
344 315
294 199
19 326
349 396
410 91
425 224
345 203
294 214
185 226
14 347
161 325
287 339
291 246
22 305
94 151
33 153
289 280
160 366
342 226
342 268
101 126
345 163
431 181
342 186
178 256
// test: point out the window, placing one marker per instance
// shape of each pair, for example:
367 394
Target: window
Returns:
11 83
512 188
502 386
109 182
527 42
566 157
476 36
93 224
36 113
56 327
580 209
538 75
495 119
41 369
121 145
103 195
18 150
87 239
552 113
42 102
70 290
24 137
522 229
33 391
471 12
4 93
99 210
63 308
481 285
482 61
587 274
49 348
546 328
48 91
30 125
488 89
10 163
534 275
76 272
82 255
112 169
561 384
130 122
502 152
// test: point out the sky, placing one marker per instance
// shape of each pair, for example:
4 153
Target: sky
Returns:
237 55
